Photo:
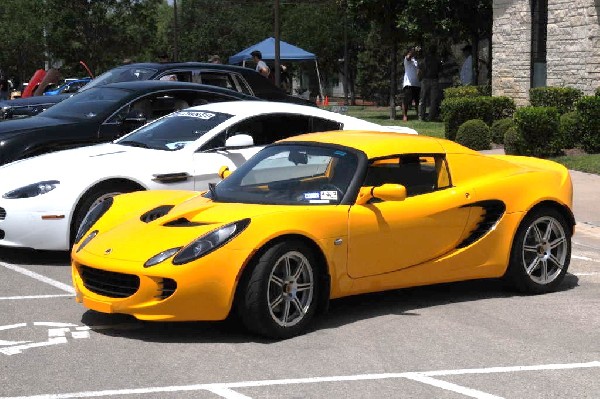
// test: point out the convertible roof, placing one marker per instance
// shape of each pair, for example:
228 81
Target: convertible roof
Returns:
380 144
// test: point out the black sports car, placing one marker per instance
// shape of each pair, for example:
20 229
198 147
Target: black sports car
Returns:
102 114
243 80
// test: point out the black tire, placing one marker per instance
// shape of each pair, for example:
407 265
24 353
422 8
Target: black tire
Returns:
92 197
541 252
269 290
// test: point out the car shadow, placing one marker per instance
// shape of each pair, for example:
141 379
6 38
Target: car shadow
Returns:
343 311
25 256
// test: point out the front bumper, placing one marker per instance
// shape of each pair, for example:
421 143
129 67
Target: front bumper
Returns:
203 290
26 228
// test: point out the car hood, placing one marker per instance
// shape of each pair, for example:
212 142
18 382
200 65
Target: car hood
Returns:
84 165
135 236
13 127
32 101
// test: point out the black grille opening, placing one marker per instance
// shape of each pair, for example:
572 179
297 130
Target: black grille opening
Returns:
156 213
167 288
110 284
2 213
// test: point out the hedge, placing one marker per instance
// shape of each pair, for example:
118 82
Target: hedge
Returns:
538 126
563 98
467 91
499 128
514 144
570 129
598 92
589 113
456 111
474 134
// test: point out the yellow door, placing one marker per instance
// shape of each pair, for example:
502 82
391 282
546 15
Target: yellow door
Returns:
392 235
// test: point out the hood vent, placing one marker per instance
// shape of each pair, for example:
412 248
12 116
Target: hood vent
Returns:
183 222
156 213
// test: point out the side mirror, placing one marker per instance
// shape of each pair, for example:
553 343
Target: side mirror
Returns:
385 192
224 172
239 141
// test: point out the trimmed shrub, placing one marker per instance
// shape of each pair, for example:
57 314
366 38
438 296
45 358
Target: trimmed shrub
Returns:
502 107
589 114
461 92
456 111
499 129
474 134
570 130
484 90
514 144
563 98
598 92
539 128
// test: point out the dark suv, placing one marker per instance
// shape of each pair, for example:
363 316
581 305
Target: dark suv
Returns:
240 79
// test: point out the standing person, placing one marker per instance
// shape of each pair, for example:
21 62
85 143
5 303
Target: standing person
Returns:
261 66
214 59
466 71
429 70
411 86
3 86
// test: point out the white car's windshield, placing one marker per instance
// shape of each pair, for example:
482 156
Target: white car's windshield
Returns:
291 174
121 74
175 130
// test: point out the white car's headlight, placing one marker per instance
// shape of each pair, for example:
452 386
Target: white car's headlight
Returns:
209 242
32 190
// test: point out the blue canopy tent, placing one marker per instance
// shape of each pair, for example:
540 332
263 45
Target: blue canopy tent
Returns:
287 52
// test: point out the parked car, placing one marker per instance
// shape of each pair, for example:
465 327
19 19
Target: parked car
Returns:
243 80
323 216
69 86
102 114
45 198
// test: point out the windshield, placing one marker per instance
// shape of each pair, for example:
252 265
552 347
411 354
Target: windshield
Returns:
290 174
89 104
121 74
174 131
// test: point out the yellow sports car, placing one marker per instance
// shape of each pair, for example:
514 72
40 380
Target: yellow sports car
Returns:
322 216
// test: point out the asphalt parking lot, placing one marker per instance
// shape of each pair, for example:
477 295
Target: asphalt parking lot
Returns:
463 340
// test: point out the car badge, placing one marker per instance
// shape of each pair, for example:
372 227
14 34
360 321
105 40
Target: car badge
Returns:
108 251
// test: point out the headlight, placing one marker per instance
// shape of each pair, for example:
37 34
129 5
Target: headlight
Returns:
92 217
32 190
156 259
209 242
89 238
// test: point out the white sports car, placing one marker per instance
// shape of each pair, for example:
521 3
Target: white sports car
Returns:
44 199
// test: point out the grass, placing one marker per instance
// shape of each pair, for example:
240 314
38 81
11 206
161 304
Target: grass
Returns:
381 115
589 163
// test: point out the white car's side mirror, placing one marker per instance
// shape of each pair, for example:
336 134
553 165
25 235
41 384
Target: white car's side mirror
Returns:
239 141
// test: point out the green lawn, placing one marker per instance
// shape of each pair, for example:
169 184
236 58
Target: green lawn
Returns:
589 163
381 115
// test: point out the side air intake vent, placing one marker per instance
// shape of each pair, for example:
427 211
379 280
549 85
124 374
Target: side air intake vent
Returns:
493 211
156 213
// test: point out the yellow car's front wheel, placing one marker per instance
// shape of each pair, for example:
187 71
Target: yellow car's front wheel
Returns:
279 298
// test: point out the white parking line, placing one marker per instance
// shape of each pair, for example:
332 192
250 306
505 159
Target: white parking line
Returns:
585 258
225 390
39 277
8 298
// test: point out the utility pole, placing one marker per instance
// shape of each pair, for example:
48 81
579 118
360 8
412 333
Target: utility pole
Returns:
277 42
175 32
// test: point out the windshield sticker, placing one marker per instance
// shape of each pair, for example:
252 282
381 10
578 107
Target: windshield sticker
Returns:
195 114
329 195
312 196
319 201
340 153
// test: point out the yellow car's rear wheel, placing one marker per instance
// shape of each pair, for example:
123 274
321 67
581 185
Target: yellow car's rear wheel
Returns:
541 252
280 296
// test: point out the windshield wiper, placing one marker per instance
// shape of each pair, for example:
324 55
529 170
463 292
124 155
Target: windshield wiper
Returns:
134 143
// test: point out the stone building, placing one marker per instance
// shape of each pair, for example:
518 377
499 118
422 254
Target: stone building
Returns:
545 43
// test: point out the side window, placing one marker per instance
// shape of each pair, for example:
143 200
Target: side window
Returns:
266 129
154 106
218 79
242 85
420 174
180 76
324 125
216 142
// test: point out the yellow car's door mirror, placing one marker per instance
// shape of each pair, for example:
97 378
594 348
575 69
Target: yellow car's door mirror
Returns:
224 172
385 192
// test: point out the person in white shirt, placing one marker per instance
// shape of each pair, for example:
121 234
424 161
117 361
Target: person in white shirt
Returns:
261 66
411 87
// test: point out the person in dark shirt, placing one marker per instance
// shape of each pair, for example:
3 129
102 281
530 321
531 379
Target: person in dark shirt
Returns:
429 71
